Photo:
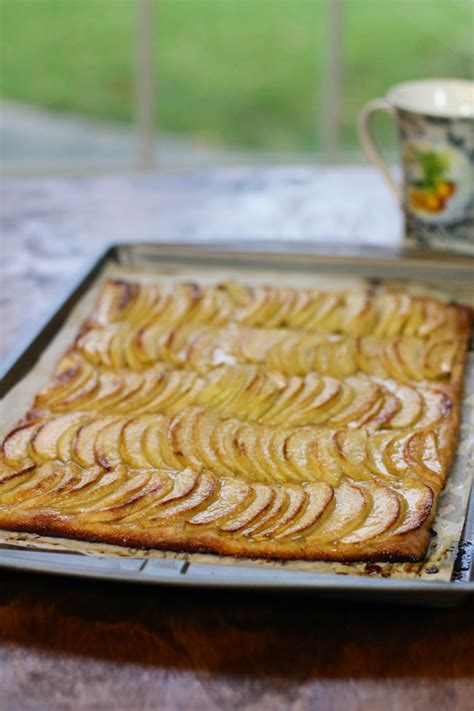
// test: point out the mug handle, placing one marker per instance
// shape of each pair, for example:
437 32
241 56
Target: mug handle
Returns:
363 128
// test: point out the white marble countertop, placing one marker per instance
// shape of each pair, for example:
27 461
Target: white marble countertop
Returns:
50 228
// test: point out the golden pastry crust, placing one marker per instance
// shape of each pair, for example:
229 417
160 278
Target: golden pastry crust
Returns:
264 422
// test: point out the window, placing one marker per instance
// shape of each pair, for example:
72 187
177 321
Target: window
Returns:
113 84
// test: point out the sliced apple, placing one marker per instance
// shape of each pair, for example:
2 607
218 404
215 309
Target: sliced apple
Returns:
184 483
179 435
11 478
245 445
369 356
146 499
233 495
299 454
218 437
142 390
83 439
377 415
113 506
339 400
365 394
238 293
319 497
253 402
419 500
273 512
434 318
352 454
297 499
328 316
158 448
439 358
392 362
312 386
376 445
436 405
397 323
106 444
352 505
72 374
262 499
116 298
304 309
387 306
272 457
41 480
203 492
410 404
324 448
344 358
359 315
80 484
76 397
322 407
132 440
264 304
415 318
202 430
15 446
96 344
101 484
44 443
393 453
178 391
383 515
421 452
149 301
276 413
221 388
49 492
277 449
114 388
150 342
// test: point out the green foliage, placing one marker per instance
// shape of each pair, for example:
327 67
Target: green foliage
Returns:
433 167
245 73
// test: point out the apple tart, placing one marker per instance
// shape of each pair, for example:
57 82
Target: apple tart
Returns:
263 421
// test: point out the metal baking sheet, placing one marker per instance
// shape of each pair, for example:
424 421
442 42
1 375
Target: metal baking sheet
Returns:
368 264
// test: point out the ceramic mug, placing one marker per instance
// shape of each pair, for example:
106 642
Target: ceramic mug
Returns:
435 119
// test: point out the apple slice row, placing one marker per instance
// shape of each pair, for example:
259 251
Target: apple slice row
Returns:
148 499
405 358
100 390
136 303
353 313
201 348
248 392
202 439
251 393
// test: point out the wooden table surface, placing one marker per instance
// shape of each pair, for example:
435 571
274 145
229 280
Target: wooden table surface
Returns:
70 644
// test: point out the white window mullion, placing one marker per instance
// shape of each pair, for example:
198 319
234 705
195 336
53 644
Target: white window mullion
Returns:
331 100
145 85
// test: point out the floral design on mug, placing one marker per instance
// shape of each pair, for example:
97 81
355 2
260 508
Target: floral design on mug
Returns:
438 180
431 187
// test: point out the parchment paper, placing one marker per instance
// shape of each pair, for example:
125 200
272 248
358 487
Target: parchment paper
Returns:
449 521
